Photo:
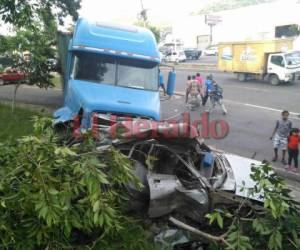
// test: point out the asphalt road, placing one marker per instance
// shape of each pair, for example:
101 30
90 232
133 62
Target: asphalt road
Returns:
253 108
204 60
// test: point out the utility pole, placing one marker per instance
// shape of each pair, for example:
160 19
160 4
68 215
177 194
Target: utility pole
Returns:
143 14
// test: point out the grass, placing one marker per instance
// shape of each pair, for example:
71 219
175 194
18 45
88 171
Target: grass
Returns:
17 124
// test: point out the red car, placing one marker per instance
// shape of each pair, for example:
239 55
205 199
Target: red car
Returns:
11 76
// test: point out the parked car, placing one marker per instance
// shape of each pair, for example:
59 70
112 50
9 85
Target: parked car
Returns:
176 56
192 54
12 76
211 51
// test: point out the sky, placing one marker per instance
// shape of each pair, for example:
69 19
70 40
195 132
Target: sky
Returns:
254 22
245 23
159 11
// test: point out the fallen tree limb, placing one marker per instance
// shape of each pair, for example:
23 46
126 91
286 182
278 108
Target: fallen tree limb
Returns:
202 234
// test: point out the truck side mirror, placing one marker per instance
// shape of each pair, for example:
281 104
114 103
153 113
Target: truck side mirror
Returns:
171 82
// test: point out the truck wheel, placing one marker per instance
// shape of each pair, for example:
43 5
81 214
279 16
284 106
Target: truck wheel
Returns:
274 80
242 77
1 82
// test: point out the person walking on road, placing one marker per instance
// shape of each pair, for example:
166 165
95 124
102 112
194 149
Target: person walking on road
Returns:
208 88
200 80
216 97
280 136
193 89
293 149
187 88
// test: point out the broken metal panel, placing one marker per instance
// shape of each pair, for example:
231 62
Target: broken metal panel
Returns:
167 195
162 186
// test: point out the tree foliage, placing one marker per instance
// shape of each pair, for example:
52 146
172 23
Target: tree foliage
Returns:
26 12
55 197
275 227
35 26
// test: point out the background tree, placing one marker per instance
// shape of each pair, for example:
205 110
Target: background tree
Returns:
35 27
154 29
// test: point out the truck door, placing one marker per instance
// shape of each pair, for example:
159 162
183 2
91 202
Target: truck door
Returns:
276 65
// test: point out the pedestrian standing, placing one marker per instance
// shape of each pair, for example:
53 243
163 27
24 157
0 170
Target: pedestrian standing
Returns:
207 88
280 135
188 87
216 97
293 149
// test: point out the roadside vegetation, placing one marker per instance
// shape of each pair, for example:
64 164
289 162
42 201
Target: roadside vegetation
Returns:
218 5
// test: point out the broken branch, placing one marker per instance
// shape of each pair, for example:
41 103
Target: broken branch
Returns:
202 234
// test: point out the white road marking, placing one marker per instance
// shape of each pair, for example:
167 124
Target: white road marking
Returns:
294 115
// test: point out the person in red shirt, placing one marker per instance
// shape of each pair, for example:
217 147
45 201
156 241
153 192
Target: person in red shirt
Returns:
200 81
293 149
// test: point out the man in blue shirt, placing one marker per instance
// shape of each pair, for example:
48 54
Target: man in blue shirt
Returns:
208 88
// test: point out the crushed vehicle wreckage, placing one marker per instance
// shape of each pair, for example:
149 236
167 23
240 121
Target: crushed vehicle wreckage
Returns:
181 176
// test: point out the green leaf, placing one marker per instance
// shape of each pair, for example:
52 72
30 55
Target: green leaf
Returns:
220 220
96 206
53 191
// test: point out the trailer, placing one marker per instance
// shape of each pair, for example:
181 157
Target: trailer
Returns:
272 60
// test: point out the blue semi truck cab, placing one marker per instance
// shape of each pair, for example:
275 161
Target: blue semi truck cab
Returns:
110 69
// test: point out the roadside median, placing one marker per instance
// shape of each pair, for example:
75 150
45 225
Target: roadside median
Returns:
191 66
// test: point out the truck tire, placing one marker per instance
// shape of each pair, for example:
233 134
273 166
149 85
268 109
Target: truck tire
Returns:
1 82
274 80
242 77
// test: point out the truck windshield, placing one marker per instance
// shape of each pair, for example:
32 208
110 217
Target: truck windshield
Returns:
119 71
293 58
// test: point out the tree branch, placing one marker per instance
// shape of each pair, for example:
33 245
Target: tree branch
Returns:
202 234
